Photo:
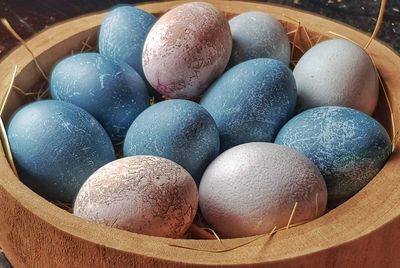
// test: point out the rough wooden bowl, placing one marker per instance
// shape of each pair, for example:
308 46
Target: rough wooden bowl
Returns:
365 231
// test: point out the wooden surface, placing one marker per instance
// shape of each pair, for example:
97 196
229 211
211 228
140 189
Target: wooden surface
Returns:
363 232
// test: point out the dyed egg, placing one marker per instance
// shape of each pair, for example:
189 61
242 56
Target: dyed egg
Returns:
347 146
253 187
122 35
336 73
251 101
56 146
111 91
186 50
142 194
179 130
258 35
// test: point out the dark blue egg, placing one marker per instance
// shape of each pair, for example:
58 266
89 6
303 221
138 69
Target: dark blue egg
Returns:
179 130
111 91
348 146
56 146
122 35
251 101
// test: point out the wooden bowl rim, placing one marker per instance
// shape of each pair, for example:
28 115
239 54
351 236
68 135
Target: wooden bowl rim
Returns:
362 215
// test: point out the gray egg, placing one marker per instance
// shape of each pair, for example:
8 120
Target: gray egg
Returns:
336 73
253 187
258 35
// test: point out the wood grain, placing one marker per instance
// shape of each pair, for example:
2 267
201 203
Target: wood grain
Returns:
363 232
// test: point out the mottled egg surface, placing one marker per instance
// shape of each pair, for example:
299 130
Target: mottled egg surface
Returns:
258 35
179 130
186 50
122 35
111 91
251 101
336 73
253 187
56 146
142 194
348 147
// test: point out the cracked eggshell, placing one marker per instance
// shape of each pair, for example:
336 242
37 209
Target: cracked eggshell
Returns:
186 50
336 72
251 101
56 146
253 187
111 91
258 35
142 194
122 35
348 146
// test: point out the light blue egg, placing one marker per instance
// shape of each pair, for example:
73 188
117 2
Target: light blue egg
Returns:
111 91
179 130
251 101
56 146
348 146
122 35
258 35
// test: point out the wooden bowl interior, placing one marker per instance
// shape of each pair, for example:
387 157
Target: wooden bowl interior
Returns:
336 228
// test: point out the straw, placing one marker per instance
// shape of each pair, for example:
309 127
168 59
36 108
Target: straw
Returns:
378 23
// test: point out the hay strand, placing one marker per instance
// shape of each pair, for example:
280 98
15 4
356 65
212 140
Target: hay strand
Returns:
4 101
22 41
291 215
378 23
6 147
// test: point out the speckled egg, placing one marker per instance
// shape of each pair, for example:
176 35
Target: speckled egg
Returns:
186 50
336 73
179 130
348 147
56 146
142 194
258 35
122 35
253 187
111 91
251 101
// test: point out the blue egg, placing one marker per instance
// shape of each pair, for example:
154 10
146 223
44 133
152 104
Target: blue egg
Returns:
111 91
348 146
251 101
56 146
122 35
179 130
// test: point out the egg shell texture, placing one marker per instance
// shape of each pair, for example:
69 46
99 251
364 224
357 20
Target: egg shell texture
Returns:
123 33
253 187
336 73
258 35
251 101
186 50
56 146
143 194
111 91
179 130
348 147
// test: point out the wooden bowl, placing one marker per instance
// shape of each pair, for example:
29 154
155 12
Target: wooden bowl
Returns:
364 231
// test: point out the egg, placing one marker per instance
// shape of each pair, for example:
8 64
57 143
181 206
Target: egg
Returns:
186 50
56 146
143 194
253 187
179 130
122 35
251 101
348 146
337 73
111 91
258 35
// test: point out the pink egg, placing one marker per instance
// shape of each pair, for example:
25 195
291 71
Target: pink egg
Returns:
142 194
186 50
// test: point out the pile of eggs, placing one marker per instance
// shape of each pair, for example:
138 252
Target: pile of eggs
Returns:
234 135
